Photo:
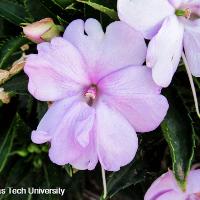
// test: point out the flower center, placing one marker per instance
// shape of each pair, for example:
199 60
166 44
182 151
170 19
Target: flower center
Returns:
184 13
91 95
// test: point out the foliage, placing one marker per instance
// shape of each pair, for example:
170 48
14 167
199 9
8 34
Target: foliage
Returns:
23 164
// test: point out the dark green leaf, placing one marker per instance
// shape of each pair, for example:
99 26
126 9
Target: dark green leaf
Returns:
69 170
179 135
13 12
17 177
98 6
7 143
63 3
2 28
129 175
17 84
39 9
8 47
42 107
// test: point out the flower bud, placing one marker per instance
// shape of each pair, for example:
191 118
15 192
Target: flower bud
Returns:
4 74
4 96
17 66
43 30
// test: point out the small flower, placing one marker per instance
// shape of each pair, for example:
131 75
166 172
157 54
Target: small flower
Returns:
100 91
172 25
43 30
166 188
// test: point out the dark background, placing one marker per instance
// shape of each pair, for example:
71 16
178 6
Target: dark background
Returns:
24 164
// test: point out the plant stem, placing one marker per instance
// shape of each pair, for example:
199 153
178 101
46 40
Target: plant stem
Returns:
104 182
191 84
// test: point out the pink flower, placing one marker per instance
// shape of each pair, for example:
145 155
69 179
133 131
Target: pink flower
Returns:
40 31
166 188
101 92
172 25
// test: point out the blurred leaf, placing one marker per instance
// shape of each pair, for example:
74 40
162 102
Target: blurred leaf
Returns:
37 162
197 81
62 21
179 135
98 6
39 9
17 177
45 148
129 175
2 28
8 47
22 153
66 10
6 145
33 148
13 12
42 108
69 169
183 89
63 3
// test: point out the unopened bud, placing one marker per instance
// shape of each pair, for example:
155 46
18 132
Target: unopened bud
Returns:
43 30
4 74
17 66
24 47
4 96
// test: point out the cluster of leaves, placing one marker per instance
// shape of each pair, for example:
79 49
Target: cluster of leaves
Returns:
175 144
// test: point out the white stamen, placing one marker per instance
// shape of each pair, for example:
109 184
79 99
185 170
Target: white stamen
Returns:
104 182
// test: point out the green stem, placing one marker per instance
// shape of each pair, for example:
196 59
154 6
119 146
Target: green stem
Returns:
104 182
191 84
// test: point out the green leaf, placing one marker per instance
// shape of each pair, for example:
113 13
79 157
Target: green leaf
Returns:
63 3
16 177
98 6
42 108
13 12
69 170
179 134
8 47
2 28
39 9
129 175
17 84
62 21
7 143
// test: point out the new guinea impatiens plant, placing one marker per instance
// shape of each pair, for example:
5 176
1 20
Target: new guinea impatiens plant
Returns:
173 28
101 94
166 188
87 99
